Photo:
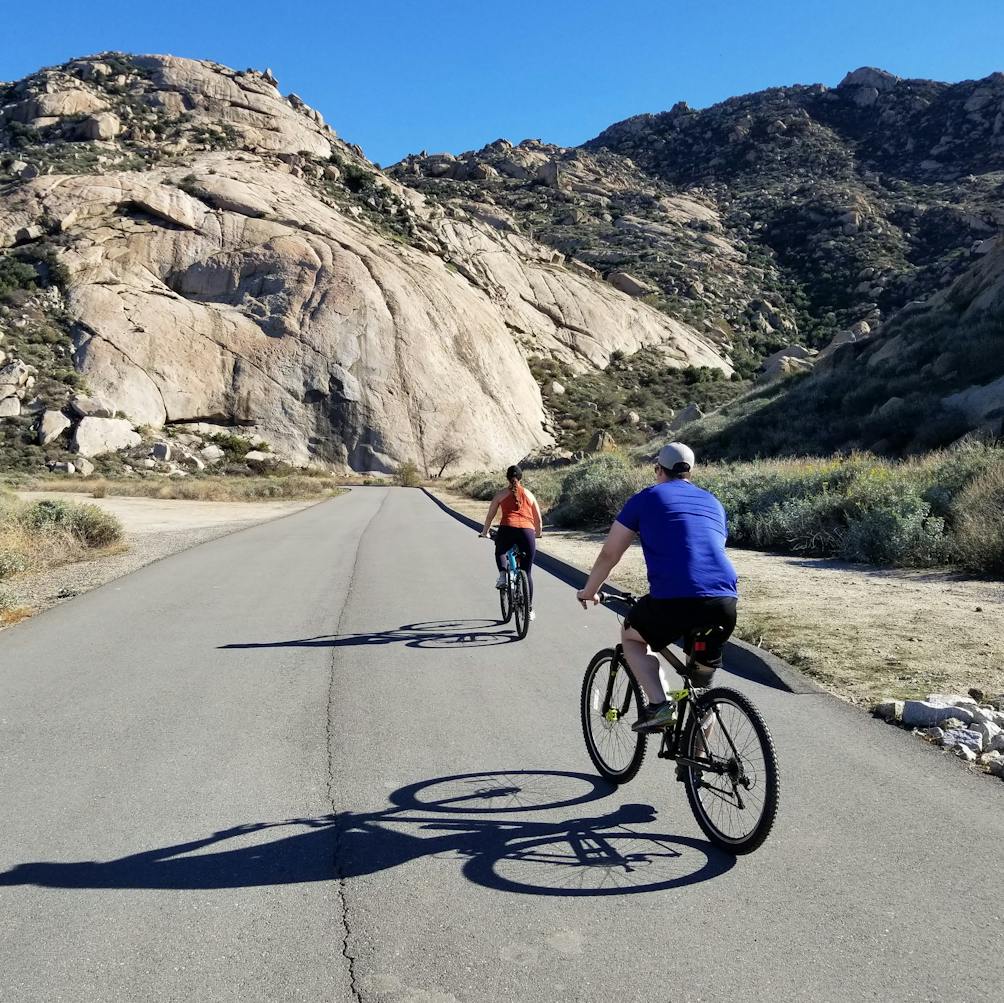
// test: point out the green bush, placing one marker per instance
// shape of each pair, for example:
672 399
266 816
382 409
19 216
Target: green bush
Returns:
15 274
91 525
408 475
594 491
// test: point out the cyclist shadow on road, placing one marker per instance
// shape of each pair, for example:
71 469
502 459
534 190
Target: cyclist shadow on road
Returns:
439 634
450 819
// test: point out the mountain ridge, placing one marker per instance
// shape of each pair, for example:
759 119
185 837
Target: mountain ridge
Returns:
228 258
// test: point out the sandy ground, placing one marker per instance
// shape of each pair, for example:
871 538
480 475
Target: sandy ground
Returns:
157 515
155 528
863 633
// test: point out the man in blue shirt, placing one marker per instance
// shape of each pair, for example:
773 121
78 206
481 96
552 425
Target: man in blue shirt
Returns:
692 583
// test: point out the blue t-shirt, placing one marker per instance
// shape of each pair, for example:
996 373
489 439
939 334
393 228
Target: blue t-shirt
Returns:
682 530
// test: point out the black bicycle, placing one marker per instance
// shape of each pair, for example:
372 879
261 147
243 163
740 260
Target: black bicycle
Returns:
724 753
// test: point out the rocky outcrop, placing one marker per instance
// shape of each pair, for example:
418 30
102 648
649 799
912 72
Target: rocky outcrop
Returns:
276 282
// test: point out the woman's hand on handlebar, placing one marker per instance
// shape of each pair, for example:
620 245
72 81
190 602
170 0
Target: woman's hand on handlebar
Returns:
585 598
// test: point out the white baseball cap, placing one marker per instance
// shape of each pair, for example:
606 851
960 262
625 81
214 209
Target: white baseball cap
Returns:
676 457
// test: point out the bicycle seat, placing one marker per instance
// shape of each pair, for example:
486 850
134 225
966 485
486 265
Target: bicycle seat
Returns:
696 643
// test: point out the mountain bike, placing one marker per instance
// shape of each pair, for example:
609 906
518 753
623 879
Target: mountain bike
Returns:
724 753
514 595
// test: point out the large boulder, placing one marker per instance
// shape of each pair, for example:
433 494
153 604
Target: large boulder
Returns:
690 413
97 436
13 377
92 407
51 426
601 442
627 283
103 126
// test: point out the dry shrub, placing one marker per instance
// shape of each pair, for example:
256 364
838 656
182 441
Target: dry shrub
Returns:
979 523
43 534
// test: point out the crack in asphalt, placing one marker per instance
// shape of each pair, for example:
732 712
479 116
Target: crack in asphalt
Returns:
341 883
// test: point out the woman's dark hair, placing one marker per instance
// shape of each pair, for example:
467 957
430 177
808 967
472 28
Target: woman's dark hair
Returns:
514 473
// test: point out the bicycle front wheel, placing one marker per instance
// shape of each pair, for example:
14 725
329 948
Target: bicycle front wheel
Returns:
735 801
505 599
611 703
521 604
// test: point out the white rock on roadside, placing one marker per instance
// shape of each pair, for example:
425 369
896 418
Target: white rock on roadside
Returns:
928 713
964 752
84 466
212 454
955 699
888 710
988 732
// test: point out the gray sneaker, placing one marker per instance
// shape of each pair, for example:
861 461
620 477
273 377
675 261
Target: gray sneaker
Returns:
656 716
501 580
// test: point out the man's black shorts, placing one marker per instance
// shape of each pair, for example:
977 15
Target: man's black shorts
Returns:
663 621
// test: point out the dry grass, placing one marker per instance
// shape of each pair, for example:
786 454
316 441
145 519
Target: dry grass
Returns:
216 489
39 535
15 615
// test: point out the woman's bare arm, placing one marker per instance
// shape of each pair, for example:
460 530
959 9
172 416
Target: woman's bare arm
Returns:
492 509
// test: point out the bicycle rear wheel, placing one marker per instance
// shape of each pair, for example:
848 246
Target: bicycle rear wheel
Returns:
521 604
735 805
505 599
611 702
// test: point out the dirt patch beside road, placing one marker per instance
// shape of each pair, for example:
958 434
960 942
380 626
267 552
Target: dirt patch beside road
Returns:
863 633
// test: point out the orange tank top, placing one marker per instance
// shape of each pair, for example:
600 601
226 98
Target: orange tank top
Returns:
517 510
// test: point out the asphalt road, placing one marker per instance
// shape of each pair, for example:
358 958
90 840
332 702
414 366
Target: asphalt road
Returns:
304 762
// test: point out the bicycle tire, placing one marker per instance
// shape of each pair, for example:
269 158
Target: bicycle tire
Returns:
771 795
521 604
505 599
589 714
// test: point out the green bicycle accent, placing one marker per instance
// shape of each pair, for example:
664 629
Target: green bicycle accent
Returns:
612 714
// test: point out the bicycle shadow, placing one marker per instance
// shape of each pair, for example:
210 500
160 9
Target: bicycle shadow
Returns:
602 854
442 635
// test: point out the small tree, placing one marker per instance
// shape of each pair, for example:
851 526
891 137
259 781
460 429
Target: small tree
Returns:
444 454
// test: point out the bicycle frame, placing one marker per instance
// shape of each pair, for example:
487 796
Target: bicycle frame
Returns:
671 737
512 560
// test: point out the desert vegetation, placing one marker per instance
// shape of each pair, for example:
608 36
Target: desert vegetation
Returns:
942 509
43 534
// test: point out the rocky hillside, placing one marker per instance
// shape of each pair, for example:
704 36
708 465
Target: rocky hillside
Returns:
187 246
225 259
783 223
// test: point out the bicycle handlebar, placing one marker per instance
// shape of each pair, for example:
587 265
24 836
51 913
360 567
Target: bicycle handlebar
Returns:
608 597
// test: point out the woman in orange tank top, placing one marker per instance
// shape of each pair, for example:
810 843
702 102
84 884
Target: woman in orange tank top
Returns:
521 525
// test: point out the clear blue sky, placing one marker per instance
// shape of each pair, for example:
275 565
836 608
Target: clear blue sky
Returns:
398 76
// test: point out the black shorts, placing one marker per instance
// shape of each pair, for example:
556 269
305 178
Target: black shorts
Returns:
663 621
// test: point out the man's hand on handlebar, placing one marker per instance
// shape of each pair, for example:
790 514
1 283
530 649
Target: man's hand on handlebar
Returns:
585 598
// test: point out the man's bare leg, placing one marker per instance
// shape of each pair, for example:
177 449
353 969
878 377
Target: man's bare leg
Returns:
644 665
